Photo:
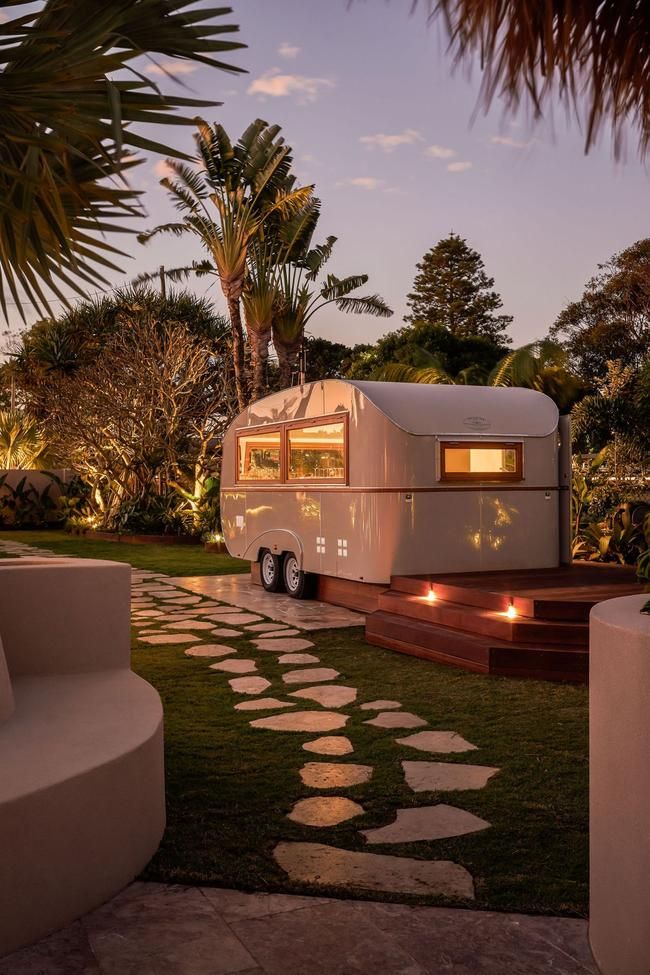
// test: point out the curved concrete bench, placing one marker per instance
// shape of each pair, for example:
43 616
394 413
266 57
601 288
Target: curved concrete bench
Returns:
81 747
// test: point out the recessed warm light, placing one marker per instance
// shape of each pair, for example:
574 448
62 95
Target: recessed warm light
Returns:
431 596
511 612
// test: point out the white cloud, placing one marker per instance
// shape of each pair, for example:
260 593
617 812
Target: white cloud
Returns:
171 67
162 169
363 182
459 167
390 142
274 84
506 140
289 51
440 152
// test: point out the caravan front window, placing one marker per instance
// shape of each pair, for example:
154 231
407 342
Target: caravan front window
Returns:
316 451
259 456
476 461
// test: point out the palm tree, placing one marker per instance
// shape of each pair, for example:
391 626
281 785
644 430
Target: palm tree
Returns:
298 302
68 95
21 442
592 53
248 184
540 365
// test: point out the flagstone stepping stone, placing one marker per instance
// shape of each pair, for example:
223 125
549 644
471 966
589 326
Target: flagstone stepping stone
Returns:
236 618
426 823
264 627
150 614
150 633
249 685
379 705
324 811
189 625
445 776
281 633
235 666
332 775
209 650
263 704
312 676
224 632
168 638
181 600
438 741
303 721
288 645
298 658
329 745
329 695
315 863
396 719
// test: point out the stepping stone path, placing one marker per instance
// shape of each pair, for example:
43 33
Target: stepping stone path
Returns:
288 645
328 866
325 811
208 650
437 741
426 823
334 775
298 658
249 685
167 615
166 639
379 706
235 666
263 704
445 776
303 721
329 745
396 719
330 695
312 676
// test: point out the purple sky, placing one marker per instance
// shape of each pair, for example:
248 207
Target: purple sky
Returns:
367 98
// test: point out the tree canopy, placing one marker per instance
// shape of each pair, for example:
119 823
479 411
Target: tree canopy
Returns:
453 289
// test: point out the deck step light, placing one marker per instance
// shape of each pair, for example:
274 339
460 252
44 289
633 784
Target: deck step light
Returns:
431 596
511 612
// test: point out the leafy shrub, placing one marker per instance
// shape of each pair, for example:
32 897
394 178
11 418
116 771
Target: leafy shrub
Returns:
24 506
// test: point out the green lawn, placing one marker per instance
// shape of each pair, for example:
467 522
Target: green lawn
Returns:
175 560
230 786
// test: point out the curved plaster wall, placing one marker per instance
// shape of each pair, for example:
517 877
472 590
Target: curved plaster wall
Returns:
82 784
620 786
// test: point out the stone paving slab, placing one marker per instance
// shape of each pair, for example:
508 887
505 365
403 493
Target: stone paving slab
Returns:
298 658
321 811
235 666
334 775
426 823
445 776
283 644
396 719
303 721
329 745
314 863
310 675
329 695
264 704
249 685
238 590
445 742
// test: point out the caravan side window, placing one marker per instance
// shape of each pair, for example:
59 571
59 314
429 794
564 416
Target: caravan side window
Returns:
317 451
259 455
476 461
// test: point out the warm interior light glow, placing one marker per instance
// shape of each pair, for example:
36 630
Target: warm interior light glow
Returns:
511 612
431 596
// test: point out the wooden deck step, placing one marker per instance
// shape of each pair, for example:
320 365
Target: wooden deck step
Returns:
474 652
485 622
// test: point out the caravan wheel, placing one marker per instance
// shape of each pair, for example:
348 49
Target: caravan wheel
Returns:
299 584
271 571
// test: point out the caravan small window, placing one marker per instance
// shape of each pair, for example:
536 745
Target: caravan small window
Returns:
316 452
259 456
476 461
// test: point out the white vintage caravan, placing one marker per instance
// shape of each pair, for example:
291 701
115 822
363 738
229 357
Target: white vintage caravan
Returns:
365 480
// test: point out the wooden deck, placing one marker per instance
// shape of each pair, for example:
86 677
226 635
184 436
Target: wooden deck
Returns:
466 624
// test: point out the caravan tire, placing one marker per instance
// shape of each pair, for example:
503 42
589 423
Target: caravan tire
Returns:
271 571
299 584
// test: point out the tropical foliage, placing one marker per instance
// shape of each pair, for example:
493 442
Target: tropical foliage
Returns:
22 445
71 89
592 54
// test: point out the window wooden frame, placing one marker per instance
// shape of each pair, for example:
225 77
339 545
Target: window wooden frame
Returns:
259 432
283 429
318 421
516 475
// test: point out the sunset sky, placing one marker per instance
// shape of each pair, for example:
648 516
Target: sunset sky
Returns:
366 95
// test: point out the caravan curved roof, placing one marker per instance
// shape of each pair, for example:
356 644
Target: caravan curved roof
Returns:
428 409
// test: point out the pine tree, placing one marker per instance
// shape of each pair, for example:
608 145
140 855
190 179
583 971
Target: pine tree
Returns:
452 289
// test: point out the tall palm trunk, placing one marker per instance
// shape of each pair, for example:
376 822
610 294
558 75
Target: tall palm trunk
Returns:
287 360
232 294
259 346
